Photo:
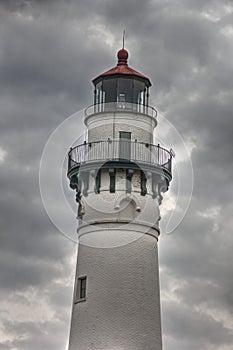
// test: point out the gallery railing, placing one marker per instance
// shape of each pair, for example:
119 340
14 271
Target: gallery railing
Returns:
121 107
121 150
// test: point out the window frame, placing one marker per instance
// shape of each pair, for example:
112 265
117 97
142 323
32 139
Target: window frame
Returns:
81 291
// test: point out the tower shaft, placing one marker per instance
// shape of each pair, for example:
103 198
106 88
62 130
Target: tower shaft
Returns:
122 308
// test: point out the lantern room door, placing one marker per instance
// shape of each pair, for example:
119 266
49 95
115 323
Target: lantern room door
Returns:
125 145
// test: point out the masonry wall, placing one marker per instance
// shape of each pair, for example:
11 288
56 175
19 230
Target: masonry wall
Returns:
107 125
118 235
122 307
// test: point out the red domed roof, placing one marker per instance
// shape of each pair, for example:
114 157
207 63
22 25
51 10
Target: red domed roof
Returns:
122 68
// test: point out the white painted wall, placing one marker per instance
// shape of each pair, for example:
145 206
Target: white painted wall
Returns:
122 308
102 126
118 253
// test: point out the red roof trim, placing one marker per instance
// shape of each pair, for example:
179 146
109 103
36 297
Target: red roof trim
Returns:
122 68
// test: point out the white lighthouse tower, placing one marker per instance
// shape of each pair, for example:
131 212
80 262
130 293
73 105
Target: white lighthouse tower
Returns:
119 175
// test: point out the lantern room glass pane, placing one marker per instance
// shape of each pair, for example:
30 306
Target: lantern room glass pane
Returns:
125 88
138 92
109 90
98 93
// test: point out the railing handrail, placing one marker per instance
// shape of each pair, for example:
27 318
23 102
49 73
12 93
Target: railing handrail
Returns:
122 140
121 107
111 150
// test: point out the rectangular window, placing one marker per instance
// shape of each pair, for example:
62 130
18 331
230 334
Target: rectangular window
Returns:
125 88
125 135
109 90
81 289
121 100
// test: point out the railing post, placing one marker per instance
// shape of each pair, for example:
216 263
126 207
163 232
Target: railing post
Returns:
135 149
109 140
84 155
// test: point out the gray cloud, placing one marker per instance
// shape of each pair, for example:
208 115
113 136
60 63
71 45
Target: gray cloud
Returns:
195 327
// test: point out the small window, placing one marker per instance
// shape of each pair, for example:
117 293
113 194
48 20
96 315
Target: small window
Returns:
81 289
125 135
121 98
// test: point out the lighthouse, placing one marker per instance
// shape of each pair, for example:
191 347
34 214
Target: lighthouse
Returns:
119 175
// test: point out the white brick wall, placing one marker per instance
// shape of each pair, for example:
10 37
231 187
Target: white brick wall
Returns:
107 125
122 308
118 254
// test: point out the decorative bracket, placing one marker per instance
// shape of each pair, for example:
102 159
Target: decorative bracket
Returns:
112 174
129 174
162 187
97 181
143 183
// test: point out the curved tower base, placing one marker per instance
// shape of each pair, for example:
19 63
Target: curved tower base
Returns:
122 308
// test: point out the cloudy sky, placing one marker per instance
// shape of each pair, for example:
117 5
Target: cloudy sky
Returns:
49 52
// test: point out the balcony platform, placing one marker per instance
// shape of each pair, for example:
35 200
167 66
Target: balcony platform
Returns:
120 154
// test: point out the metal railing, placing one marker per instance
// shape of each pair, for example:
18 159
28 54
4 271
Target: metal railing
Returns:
121 150
121 107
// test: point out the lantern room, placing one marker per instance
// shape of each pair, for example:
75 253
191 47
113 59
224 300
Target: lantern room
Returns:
121 84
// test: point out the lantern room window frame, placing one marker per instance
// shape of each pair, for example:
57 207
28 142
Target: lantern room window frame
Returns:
109 89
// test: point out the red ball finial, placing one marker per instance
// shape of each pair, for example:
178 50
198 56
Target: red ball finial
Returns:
122 56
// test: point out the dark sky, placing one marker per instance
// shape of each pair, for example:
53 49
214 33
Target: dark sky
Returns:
49 52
